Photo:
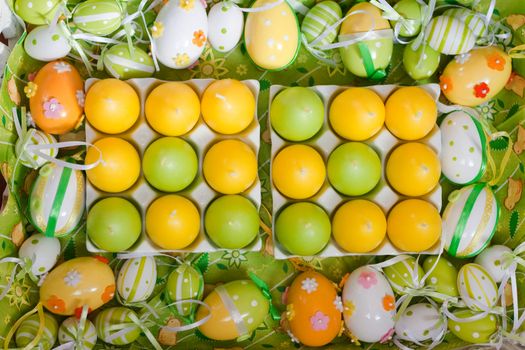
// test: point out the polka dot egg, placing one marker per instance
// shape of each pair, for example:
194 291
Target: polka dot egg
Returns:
493 260
37 12
109 318
225 22
42 251
99 17
28 330
122 64
420 322
476 287
136 279
68 332
404 274
476 332
28 157
442 276
185 282
46 43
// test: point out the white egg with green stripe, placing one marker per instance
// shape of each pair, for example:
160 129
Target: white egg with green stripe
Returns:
99 17
185 282
318 19
34 137
404 274
474 20
121 63
476 287
136 279
470 220
116 326
29 328
69 333
449 35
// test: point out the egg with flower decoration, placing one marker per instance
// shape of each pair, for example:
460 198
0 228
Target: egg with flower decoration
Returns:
136 279
33 137
29 328
121 63
420 322
99 17
47 43
42 251
404 274
70 332
185 282
107 323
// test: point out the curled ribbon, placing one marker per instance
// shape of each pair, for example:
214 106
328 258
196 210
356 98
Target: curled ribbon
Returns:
41 325
274 313
126 327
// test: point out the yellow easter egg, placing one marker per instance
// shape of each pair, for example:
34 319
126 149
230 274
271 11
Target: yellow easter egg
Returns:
367 17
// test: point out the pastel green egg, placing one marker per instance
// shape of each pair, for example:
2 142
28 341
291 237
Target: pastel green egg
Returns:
475 21
443 277
318 19
401 274
122 64
29 328
69 331
476 287
37 12
185 282
100 17
380 51
136 279
449 35
410 10
420 63
109 318
474 331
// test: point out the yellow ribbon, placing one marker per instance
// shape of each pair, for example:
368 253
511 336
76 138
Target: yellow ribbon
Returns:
515 52
496 174
41 324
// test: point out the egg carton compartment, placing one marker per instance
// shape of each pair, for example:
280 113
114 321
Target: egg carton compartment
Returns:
328 198
201 137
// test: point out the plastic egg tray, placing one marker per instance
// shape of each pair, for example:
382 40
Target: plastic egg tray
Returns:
201 137
325 141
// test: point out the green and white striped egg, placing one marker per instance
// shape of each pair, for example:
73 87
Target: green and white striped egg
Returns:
68 332
476 332
420 63
29 328
449 35
100 17
42 251
136 279
475 21
401 274
420 322
185 282
470 220
318 19
37 12
476 287
35 137
109 318
122 64
443 277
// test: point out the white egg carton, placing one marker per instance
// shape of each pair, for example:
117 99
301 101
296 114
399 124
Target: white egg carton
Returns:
328 198
201 137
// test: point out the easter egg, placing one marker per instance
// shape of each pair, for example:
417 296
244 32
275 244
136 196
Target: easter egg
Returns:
300 120
76 283
119 168
359 226
28 329
357 114
414 225
298 171
43 252
420 63
37 12
185 282
136 279
464 156
443 277
314 316
354 168
237 309
228 106
230 166
476 77
100 17
413 169
420 322
112 106
170 164
449 35
46 43
318 19
369 305
172 222
476 287
56 201
271 37
113 224
69 331
172 108
120 63
56 107
232 221
493 261
475 21
404 274
225 26
303 228
411 12
476 332
470 220
109 318
179 33
34 137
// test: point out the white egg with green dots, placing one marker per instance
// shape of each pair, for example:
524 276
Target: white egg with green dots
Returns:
420 322
493 260
225 26
47 43
42 251
69 331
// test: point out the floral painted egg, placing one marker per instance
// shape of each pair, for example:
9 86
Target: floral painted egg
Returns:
443 276
109 318
35 137
475 21
313 309
476 287
37 12
477 76
78 282
69 331
237 309
57 104
404 274
493 261
420 322
180 32
272 36
46 43
464 156
225 25
121 64
470 220
369 305
56 201
28 330
100 17
320 17
449 35
136 279
420 63
476 332
42 251
185 282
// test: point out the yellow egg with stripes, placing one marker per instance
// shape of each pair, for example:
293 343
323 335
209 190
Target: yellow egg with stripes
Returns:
476 287
136 279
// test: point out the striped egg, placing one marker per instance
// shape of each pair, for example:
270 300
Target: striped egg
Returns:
404 274
420 322
68 333
29 328
185 282
56 201
449 35
122 64
35 137
476 287
225 24
318 19
475 21
136 279
100 17
42 251
470 220
109 318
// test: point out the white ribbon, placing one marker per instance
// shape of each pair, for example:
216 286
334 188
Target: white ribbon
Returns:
78 341
511 262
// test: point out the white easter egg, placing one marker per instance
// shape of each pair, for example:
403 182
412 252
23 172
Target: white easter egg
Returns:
136 279
180 32
225 22
34 137
43 252
492 260
463 157
369 305
420 322
476 287
46 43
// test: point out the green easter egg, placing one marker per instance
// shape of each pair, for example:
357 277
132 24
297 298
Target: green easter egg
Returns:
69 329
380 52
421 63
122 64
320 17
400 275
443 278
185 282
449 35
410 10
474 331
475 21
109 318
37 12
100 17
29 328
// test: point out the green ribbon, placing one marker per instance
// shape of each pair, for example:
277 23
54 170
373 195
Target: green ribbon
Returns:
266 292
57 202
368 62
